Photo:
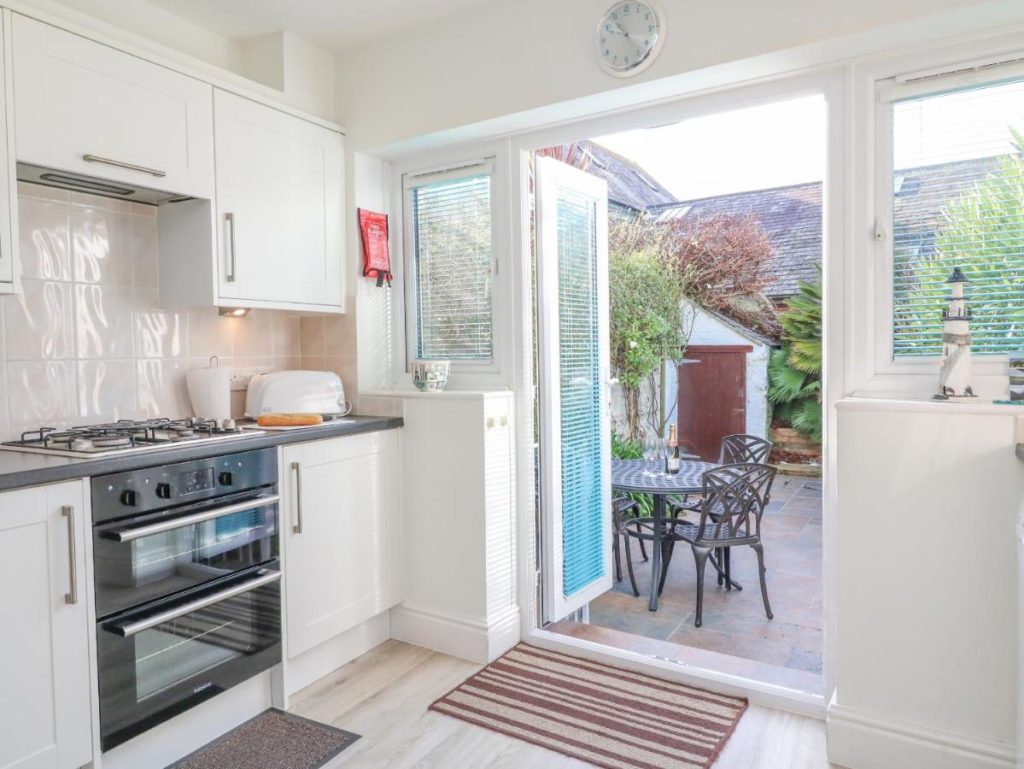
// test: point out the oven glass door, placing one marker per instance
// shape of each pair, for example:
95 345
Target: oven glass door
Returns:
156 662
164 553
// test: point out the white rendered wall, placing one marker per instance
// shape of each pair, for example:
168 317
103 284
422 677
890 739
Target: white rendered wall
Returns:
708 330
927 590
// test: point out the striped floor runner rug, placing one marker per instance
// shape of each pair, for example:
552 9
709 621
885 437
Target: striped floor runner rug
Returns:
596 713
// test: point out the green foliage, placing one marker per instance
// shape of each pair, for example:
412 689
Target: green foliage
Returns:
801 328
794 370
646 323
982 232
627 449
646 288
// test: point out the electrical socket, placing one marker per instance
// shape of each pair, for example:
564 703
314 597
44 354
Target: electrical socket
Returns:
240 378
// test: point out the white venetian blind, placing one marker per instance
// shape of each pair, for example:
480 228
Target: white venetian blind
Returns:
450 228
580 390
958 201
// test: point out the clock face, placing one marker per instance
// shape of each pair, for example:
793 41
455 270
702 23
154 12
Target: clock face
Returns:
628 37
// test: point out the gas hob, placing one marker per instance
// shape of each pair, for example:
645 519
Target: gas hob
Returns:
124 437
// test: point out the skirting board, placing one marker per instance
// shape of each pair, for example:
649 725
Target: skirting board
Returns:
324 659
867 741
476 640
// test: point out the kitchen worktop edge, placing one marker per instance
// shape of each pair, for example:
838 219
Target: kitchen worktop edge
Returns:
22 469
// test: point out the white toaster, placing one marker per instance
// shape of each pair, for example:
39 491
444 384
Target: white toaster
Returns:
289 392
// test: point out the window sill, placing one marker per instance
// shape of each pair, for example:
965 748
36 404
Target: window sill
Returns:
981 406
447 394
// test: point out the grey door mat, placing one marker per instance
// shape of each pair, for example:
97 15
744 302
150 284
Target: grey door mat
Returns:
272 740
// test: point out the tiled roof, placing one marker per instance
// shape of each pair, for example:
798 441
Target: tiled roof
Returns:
628 184
791 216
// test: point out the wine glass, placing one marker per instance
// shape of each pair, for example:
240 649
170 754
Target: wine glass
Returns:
650 454
661 451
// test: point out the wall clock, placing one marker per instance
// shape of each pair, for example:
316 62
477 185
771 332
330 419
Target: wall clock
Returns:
629 37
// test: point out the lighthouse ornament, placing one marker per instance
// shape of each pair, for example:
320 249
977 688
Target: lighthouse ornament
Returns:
955 374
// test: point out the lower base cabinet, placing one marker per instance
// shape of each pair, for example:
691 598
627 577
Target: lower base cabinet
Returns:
45 720
341 535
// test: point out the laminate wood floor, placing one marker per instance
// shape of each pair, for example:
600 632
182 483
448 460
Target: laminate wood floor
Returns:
384 696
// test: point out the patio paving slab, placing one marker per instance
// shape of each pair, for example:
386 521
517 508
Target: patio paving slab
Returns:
736 636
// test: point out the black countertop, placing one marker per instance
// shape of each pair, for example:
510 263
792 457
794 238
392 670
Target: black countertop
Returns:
19 469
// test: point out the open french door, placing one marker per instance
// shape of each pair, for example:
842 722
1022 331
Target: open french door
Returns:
573 378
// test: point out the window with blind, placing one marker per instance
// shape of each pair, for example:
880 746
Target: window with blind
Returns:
451 264
958 201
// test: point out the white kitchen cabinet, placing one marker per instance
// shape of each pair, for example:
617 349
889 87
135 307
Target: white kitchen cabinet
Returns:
9 269
459 561
85 107
279 228
342 535
44 650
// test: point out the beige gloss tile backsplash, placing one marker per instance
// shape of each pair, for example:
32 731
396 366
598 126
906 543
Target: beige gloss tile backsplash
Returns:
86 340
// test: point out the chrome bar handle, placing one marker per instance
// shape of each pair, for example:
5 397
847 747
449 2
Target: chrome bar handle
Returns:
229 218
71 597
129 535
133 628
121 164
297 469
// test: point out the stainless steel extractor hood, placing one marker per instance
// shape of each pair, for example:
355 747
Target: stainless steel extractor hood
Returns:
109 189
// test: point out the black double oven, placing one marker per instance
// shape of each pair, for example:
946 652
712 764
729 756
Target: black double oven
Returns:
188 598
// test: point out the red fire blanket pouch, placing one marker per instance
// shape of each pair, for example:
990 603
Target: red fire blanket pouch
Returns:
376 259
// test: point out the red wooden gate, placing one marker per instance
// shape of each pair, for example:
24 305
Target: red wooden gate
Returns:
712 397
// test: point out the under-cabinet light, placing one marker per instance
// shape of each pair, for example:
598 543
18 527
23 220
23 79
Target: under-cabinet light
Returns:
233 312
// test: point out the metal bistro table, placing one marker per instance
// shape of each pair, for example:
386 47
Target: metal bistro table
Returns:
628 475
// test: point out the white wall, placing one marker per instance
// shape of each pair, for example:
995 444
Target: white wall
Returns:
927 638
296 67
505 58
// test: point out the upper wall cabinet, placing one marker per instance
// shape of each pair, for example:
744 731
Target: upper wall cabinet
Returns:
9 271
84 107
278 207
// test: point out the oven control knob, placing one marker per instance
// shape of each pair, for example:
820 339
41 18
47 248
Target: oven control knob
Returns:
163 490
129 497
225 478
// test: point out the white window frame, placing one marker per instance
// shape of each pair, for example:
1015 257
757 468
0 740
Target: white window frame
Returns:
465 374
873 369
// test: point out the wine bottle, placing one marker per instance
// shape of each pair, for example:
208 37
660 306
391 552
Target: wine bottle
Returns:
672 459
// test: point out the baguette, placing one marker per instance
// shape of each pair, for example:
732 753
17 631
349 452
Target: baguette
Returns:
288 420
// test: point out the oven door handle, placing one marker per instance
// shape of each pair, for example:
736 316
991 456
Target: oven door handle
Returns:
138 532
128 629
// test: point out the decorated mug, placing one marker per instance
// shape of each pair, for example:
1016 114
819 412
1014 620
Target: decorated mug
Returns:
430 375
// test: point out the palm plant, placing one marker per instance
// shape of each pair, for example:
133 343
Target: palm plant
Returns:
794 370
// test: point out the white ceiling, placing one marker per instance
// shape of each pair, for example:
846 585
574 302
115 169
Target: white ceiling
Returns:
332 24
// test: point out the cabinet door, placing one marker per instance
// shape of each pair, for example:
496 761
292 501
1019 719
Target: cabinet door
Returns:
341 537
44 701
84 107
279 205
8 179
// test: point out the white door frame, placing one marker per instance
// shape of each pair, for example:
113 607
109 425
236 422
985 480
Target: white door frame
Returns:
563 176
831 83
